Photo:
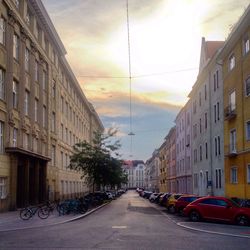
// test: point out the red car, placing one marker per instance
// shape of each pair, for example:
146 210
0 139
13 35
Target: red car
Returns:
183 201
217 208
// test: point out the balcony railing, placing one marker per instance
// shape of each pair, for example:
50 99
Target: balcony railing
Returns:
230 113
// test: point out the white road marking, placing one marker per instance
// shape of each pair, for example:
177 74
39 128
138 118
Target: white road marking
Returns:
120 227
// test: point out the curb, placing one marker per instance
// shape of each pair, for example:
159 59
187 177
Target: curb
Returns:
58 223
197 229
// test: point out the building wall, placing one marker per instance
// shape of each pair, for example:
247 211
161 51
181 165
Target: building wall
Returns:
38 137
234 79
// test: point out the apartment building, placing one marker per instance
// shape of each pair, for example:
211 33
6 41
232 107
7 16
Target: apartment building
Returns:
43 111
135 171
171 160
163 167
203 140
236 76
184 182
152 166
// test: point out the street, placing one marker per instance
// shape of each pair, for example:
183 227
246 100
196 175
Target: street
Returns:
130 222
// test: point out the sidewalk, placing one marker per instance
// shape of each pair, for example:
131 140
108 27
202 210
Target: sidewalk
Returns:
11 221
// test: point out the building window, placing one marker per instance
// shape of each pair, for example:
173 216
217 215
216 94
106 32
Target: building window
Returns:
25 141
2 31
215 146
219 179
2 84
17 3
200 127
233 141
1 136
218 140
195 156
28 17
44 116
62 163
232 101
61 131
15 94
53 122
248 86
215 113
195 180
15 132
218 111
3 188
231 62
248 130
26 103
35 144
234 175
248 173
36 110
206 149
199 98
62 104
44 80
200 153
246 45
217 79
194 107
205 120
27 59
15 47
205 91
36 71
53 89
53 155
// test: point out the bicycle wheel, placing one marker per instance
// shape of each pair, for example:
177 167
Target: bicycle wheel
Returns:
43 213
25 214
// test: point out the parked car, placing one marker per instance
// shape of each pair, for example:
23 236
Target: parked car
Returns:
157 199
217 208
147 194
183 201
170 202
164 198
153 197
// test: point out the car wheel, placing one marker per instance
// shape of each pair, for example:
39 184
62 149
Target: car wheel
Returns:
194 216
180 211
242 220
171 209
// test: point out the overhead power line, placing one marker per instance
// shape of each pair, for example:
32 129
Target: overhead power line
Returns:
139 76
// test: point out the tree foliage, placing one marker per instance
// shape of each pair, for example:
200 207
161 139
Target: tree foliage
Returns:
99 161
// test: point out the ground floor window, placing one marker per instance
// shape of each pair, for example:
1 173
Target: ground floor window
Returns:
234 175
3 187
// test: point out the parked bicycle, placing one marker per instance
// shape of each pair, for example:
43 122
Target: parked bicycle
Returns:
28 212
52 205
73 205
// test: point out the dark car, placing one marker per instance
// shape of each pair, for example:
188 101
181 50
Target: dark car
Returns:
183 201
147 194
157 199
164 198
217 208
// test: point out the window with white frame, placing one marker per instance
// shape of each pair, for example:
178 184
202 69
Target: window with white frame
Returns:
15 94
27 59
3 188
26 102
248 173
232 101
2 84
218 111
15 133
248 86
246 45
231 62
233 140
206 150
2 30
25 141
15 47
1 136
234 175
218 141
248 130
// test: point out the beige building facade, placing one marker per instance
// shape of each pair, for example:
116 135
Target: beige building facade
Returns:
43 111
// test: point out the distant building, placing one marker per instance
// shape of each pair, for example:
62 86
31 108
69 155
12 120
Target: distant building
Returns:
135 171
184 182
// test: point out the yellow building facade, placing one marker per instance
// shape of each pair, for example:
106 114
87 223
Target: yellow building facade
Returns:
235 57
43 110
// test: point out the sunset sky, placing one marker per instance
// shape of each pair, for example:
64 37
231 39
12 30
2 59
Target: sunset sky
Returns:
165 38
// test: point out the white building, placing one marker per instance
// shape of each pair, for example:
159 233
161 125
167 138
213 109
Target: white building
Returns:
207 123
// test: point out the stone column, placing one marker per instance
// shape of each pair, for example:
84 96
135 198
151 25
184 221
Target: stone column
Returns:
13 182
26 182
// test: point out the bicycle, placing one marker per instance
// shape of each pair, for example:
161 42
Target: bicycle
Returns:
28 212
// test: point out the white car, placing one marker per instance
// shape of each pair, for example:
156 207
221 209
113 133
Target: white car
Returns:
153 196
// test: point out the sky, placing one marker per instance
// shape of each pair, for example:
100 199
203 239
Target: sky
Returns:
165 40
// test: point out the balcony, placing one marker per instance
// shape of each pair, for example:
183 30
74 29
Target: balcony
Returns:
230 113
231 151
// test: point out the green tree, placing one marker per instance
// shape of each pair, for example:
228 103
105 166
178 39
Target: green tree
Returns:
99 161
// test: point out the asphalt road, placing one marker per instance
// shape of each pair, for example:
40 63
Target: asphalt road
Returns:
129 222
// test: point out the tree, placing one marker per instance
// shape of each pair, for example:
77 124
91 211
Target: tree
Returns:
99 161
